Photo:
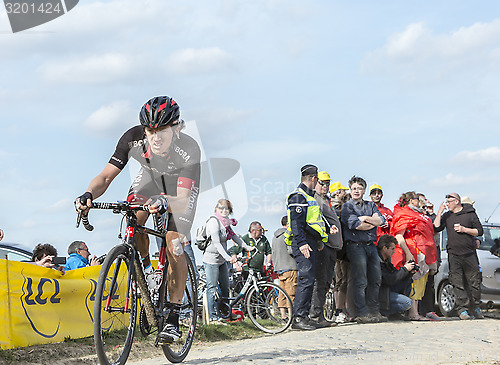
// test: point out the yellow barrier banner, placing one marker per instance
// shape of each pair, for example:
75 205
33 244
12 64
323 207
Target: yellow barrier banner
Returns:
41 305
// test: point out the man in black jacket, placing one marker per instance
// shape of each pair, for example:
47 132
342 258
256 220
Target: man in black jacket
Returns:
325 262
462 226
394 281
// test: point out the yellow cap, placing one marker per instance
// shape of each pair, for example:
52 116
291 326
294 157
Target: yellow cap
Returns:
324 176
374 187
337 186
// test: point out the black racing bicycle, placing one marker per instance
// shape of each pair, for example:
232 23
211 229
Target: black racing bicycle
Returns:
122 287
260 302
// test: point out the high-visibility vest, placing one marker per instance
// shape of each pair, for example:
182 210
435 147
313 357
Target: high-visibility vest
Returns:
314 218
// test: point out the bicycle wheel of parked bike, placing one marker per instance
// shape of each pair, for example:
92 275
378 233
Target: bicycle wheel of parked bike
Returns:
329 307
263 310
114 314
177 351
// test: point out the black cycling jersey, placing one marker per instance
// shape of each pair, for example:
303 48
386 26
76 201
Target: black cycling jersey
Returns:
180 167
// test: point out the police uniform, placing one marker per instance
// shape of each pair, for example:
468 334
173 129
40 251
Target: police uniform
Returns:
306 227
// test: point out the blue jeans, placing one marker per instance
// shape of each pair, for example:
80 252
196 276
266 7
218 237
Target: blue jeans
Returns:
366 277
217 275
399 303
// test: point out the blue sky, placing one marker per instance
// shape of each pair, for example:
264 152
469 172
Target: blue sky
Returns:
404 94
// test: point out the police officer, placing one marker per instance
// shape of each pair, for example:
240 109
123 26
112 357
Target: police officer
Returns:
306 234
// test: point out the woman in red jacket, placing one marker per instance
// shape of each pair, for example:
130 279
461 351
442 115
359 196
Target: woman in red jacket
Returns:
415 233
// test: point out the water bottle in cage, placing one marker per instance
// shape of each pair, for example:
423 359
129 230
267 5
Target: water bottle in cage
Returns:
159 221
155 294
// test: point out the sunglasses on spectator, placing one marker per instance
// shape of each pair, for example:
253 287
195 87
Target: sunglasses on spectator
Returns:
323 183
223 208
451 197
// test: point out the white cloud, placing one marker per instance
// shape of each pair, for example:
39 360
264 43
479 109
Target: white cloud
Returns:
101 69
27 224
194 61
417 51
275 152
4 155
217 117
453 181
62 205
488 156
114 116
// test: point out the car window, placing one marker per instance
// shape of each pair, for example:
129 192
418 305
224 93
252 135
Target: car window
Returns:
13 256
488 238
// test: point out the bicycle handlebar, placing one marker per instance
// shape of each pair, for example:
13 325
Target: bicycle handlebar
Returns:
252 255
84 218
116 207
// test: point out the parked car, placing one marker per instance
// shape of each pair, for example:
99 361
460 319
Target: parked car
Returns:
490 268
14 252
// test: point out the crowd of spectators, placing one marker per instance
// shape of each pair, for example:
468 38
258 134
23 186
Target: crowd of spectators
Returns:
379 262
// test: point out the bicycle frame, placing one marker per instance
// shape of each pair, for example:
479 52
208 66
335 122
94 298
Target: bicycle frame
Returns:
132 228
251 280
123 271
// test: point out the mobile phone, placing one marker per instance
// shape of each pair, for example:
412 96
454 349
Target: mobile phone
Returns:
59 260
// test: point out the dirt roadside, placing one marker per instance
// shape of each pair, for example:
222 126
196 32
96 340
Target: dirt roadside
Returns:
445 342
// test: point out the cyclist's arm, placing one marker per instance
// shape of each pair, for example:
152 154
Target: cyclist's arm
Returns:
101 182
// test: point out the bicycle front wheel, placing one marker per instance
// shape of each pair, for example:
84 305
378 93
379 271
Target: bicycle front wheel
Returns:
177 351
114 312
264 310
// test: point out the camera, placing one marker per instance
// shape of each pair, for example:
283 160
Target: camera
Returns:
415 266
59 260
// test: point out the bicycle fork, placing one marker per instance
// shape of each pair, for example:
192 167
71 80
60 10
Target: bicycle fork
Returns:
113 288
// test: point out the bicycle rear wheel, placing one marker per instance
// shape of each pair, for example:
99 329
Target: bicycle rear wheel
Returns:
177 351
114 314
329 307
263 310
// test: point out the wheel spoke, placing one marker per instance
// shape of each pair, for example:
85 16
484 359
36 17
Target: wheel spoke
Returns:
114 313
264 311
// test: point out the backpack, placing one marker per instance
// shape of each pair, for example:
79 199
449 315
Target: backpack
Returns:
202 241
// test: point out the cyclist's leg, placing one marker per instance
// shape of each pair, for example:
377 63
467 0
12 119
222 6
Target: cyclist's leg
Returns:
177 269
177 274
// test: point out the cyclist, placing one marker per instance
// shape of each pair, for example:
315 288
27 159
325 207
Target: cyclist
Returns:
168 181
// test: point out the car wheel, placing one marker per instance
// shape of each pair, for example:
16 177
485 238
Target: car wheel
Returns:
446 296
